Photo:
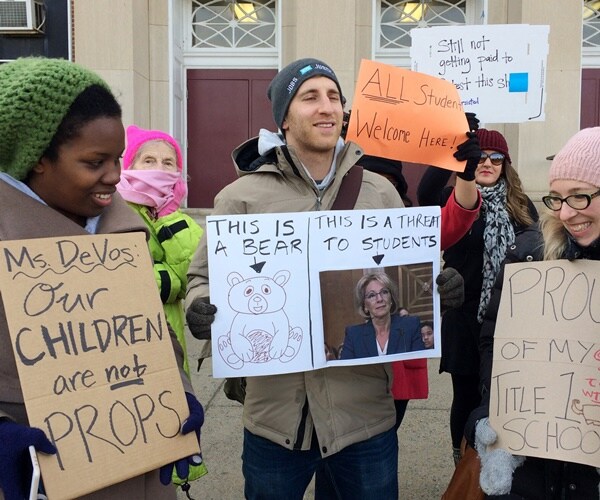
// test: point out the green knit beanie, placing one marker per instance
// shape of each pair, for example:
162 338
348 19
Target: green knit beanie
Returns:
35 95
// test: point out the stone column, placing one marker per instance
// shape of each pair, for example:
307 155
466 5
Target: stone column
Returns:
530 143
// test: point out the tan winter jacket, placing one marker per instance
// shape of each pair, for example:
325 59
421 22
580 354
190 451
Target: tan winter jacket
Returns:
343 405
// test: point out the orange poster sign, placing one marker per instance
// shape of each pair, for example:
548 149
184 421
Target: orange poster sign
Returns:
405 115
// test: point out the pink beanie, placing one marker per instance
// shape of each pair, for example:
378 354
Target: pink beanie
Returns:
137 137
494 140
579 158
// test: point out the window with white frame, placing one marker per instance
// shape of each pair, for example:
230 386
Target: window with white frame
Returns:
591 23
230 24
396 18
591 34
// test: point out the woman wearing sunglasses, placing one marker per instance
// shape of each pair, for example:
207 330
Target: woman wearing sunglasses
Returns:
570 230
505 211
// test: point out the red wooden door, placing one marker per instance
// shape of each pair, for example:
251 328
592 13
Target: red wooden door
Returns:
590 98
225 107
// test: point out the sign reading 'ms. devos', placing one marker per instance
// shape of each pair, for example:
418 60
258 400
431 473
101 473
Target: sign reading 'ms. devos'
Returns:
94 358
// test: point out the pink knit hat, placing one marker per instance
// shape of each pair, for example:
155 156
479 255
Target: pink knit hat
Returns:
579 158
137 137
492 139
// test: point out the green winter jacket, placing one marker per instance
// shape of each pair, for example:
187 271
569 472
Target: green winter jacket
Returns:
173 241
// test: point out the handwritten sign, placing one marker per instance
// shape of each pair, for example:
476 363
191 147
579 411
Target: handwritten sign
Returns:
265 271
94 357
404 115
545 390
499 70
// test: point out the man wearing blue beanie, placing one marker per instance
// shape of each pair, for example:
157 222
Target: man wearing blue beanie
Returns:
339 420
286 83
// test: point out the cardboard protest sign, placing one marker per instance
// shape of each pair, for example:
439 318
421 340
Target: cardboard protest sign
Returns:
498 70
267 273
545 388
405 115
94 357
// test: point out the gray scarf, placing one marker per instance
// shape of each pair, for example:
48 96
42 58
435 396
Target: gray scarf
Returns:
497 236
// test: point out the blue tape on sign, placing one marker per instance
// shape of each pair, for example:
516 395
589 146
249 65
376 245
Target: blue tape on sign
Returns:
518 82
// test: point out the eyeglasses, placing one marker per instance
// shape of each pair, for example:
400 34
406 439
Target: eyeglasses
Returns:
384 293
495 158
577 201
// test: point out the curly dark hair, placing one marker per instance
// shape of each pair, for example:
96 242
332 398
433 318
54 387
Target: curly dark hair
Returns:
94 102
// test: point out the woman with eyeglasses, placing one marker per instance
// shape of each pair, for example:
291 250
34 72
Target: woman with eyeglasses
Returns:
570 230
384 331
505 211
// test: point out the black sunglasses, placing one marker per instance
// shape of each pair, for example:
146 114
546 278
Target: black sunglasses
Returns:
577 201
495 158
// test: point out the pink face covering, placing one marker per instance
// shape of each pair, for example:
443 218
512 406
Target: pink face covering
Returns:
163 191
157 189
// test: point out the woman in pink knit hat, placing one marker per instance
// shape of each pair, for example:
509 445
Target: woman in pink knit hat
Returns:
152 183
570 230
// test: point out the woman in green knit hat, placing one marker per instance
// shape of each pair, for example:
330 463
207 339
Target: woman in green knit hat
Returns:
61 139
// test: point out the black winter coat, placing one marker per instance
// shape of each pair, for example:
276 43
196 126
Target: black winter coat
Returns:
460 329
537 478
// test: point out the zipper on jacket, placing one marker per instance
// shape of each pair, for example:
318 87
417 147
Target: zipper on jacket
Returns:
286 154
301 427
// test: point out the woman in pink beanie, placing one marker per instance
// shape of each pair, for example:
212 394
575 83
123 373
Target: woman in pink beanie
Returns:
570 230
153 185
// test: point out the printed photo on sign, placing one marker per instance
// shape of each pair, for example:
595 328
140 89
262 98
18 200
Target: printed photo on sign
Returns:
400 297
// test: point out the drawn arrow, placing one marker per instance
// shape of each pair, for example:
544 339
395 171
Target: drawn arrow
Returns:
378 258
257 266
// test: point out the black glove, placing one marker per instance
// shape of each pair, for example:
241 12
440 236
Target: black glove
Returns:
200 316
451 287
193 423
15 462
470 151
345 121
473 121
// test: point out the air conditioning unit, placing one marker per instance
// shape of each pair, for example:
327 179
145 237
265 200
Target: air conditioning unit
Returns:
22 17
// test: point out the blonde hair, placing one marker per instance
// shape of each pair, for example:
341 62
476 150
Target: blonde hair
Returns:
577 160
554 235
359 292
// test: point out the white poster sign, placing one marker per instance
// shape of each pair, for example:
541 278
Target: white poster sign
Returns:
268 275
498 70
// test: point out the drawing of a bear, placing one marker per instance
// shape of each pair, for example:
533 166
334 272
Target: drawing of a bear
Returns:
260 331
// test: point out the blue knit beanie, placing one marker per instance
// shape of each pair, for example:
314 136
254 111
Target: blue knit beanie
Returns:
286 83
35 95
